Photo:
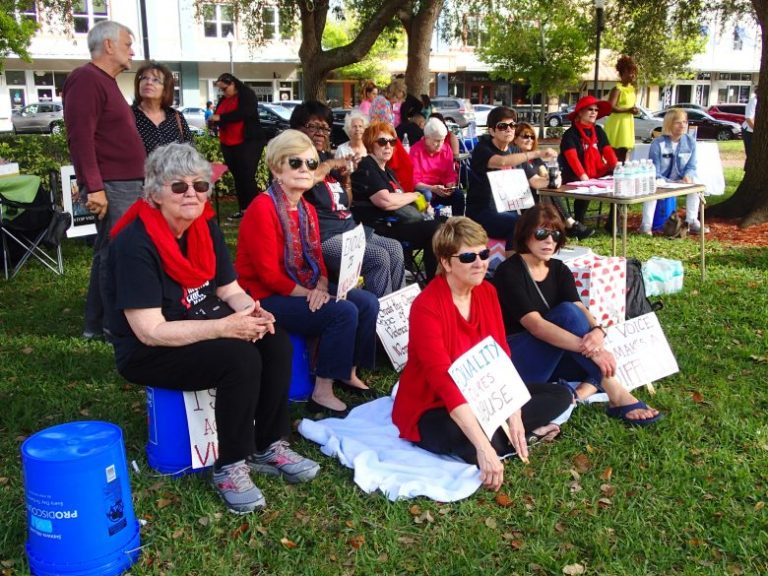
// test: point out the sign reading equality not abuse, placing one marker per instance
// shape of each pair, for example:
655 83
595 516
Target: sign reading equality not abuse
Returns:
641 350
490 384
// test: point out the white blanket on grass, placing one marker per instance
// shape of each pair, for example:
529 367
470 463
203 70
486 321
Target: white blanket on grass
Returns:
368 442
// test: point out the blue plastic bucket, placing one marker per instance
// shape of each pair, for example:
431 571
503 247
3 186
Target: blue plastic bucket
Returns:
301 381
80 516
168 447
664 209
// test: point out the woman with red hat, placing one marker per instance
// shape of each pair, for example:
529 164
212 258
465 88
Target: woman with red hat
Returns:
584 150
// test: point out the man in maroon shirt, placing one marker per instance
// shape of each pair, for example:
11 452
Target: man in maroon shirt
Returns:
105 148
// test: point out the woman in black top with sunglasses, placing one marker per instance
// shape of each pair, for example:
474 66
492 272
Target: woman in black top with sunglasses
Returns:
550 332
379 200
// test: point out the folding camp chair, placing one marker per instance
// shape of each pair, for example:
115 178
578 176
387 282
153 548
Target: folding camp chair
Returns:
27 211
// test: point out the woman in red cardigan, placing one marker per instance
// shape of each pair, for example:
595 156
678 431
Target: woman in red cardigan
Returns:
455 311
280 262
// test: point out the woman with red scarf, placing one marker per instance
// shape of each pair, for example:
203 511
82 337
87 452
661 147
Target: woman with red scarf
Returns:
584 150
181 321
280 261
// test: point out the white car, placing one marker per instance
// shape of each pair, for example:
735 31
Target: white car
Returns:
481 113
645 124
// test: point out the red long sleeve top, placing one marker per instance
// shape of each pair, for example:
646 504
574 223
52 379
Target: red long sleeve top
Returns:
438 335
260 261
104 143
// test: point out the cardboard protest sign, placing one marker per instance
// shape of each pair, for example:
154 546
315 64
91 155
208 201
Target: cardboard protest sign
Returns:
510 189
392 323
642 352
83 222
352 252
490 384
201 422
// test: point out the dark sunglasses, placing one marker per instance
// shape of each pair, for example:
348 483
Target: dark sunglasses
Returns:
527 137
182 187
384 141
542 233
506 125
295 163
469 257
318 128
593 109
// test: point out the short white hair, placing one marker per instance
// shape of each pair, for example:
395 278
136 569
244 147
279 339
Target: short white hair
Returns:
105 30
435 128
355 114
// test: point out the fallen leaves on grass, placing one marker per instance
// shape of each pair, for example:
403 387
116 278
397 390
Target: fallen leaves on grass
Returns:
240 530
574 569
607 490
289 544
356 541
759 506
27 350
606 474
491 523
503 500
420 517
582 463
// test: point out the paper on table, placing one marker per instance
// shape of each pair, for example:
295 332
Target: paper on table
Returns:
674 185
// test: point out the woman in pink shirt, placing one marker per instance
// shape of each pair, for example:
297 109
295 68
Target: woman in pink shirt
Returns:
434 172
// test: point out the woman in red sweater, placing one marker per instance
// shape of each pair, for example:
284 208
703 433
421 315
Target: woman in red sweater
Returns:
280 262
455 311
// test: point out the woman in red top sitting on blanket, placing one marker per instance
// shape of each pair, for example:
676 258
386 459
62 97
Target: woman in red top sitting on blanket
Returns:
455 312
584 149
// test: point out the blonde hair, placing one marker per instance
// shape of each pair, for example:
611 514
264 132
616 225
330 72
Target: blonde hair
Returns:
286 144
673 115
457 231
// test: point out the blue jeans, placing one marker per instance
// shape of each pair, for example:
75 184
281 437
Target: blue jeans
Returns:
498 225
538 361
347 329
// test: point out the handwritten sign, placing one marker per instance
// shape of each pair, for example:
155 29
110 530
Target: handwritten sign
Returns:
83 222
510 189
201 421
392 323
490 384
352 252
642 352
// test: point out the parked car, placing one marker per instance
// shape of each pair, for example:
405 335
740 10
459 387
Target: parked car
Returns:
708 128
43 117
731 112
481 113
645 124
559 118
687 106
289 104
274 118
195 117
458 110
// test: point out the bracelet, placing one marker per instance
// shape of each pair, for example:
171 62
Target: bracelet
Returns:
598 327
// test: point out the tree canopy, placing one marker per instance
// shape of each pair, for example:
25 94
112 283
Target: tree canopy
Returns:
15 34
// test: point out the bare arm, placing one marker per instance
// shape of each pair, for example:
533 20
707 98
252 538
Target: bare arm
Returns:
499 161
386 200
491 467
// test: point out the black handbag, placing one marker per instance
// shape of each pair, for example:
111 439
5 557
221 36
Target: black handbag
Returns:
408 214
57 228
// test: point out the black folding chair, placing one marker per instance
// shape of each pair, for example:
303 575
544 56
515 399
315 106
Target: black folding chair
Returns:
32 229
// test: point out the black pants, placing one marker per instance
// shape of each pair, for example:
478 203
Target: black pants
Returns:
418 235
243 160
441 435
251 382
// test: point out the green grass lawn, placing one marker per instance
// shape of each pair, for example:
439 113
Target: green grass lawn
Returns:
684 497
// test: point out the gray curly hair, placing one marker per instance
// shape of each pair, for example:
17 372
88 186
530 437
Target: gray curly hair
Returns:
173 162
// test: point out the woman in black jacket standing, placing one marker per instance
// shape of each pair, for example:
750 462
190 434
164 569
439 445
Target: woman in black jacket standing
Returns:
241 137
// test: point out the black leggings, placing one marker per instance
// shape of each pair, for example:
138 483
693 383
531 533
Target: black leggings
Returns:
243 160
251 382
441 435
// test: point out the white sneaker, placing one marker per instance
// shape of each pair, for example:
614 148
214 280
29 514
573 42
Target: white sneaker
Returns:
695 227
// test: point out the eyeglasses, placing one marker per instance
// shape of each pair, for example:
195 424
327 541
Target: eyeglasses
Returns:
542 233
526 137
386 141
295 163
182 187
320 128
152 80
592 109
469 257
504 126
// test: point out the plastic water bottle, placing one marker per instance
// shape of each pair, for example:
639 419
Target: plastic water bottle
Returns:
406 143
619 179
651 177
644 186
637 178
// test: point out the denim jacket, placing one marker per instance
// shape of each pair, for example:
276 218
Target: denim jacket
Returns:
674 165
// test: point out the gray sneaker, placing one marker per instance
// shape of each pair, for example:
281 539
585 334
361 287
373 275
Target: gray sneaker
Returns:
236 488
280 460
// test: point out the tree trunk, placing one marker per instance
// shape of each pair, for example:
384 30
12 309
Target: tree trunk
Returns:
318 63
750 201
418 28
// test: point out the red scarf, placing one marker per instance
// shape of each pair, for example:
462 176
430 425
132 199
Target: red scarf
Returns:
593 162
191 271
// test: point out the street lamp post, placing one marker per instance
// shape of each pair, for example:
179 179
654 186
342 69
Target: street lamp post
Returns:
599 25
231 40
